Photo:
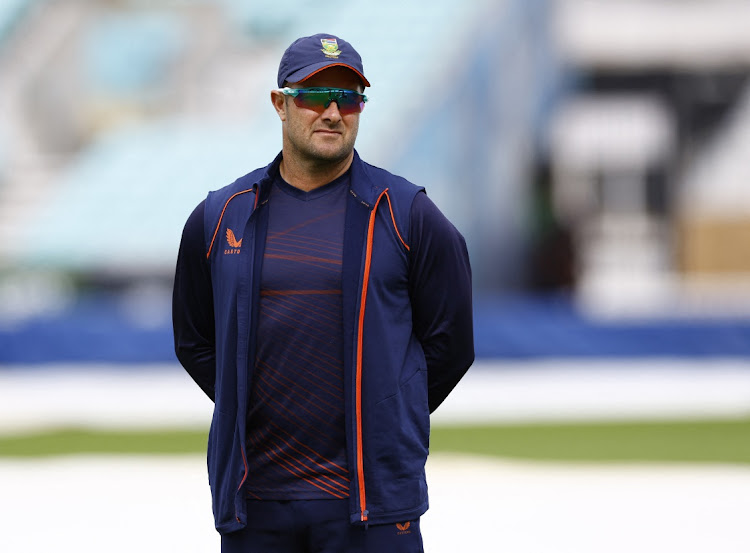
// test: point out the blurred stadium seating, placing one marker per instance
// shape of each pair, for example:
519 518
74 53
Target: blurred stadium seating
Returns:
651 142
141 117
590 154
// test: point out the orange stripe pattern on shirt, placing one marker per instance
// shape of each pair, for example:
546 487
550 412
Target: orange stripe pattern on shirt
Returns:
296 440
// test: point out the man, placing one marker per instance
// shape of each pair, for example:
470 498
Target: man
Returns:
324 305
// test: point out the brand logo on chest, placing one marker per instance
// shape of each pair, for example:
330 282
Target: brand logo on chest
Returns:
234 244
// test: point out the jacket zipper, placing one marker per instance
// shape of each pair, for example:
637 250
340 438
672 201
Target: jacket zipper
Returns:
242 443
242 482
358 377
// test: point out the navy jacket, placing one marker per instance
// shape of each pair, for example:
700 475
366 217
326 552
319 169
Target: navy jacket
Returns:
408 336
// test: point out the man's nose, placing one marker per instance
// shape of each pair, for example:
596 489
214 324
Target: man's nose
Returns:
332 111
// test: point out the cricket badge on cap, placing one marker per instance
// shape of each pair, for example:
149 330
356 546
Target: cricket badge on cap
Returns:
330 47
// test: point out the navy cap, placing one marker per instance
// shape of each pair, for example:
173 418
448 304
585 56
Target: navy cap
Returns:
311 54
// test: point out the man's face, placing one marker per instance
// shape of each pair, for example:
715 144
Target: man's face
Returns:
319 137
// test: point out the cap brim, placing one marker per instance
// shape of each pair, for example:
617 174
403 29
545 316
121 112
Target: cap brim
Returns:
307 72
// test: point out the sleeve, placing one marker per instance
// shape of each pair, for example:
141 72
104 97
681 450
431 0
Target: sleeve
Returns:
192 306
441 296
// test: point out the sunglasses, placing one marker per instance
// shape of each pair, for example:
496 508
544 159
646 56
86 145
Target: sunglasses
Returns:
319 98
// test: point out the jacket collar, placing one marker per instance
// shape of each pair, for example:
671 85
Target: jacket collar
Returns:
267 178
363 184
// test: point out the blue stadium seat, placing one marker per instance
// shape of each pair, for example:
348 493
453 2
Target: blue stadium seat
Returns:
124 201
130 53
11 12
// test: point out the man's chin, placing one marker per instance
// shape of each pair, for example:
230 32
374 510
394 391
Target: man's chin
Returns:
331 155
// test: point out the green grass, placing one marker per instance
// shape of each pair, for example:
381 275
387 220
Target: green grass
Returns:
75 440
714 441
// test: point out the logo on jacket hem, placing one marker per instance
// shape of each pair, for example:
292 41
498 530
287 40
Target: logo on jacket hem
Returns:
403 528
234 244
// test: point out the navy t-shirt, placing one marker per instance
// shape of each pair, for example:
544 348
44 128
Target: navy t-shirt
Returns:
296 438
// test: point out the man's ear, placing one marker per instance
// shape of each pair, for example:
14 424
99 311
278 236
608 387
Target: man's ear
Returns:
279 103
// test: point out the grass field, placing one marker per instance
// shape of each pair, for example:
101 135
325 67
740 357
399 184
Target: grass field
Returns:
708 441
529 459
705 441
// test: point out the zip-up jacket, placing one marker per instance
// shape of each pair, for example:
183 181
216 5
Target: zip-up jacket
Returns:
408 337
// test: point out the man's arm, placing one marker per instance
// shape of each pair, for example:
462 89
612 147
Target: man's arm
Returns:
440 291
193 307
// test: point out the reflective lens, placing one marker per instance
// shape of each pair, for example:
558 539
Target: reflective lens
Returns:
318 99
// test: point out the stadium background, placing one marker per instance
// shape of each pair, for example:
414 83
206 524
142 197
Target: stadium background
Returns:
593 153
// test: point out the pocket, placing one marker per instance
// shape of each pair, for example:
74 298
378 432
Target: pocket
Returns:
401 428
